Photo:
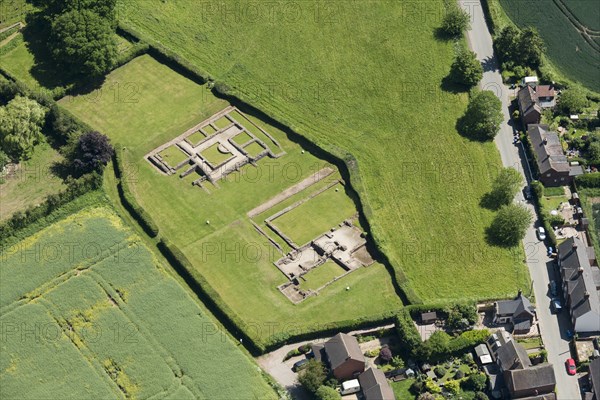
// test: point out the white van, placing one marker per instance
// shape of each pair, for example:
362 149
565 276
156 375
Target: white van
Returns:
350 387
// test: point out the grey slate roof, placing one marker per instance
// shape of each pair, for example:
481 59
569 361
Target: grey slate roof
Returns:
533 377
516 306
576 269
547 148
595 376
513 356
528 100
342 347
375 386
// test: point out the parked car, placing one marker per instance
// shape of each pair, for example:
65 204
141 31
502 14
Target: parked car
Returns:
555 306
527 193
553 288
299 365
571 368
541 233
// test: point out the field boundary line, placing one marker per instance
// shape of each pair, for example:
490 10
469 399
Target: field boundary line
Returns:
86 353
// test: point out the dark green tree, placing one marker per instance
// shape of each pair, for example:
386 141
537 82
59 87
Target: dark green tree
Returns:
466 69
483 116
572 100
313 376
510 224
476 382
456 21
84 42
531 48
505 186
507 44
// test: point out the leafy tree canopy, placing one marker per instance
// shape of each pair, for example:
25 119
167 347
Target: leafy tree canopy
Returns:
483 116
456 21
466 69
21 122
510 224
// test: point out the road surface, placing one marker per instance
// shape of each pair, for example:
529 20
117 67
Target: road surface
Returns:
541 268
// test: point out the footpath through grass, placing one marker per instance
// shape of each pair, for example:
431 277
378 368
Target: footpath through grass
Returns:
103 319
366 82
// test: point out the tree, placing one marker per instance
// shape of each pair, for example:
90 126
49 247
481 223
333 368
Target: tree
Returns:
435 346
84 42
92 153
507 44
21 122
385 354
594 153
531 48
313 376
509 225
327 393
476 382
456 21
104 8
572 100
483 116
466 69
505 187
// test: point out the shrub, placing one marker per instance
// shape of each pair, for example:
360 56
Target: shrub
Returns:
385 354
291 353
305 348
431 386
313 376
588 180
452 386
572 100
4 160
408 335
481 396
456 21
397 362
440 371
476 382
459 374
372 353
327 393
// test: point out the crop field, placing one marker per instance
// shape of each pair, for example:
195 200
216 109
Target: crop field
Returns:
103 319
419 181
211 227
561 23
31 182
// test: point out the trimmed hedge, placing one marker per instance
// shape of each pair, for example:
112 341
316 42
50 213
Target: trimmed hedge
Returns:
588 180
544 215
129 200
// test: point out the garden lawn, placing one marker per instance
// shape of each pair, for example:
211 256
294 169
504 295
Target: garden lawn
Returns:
365 83
31 183
107 330
321 275
402 389
211 226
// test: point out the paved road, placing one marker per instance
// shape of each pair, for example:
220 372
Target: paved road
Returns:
541 268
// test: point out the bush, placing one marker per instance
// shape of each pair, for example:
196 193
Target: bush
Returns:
129 200
452 386
327 393
385 354
313 376
4 160
481 396
440 371
588 180
305 348
292 353
409 337
459 374
456 21
476 382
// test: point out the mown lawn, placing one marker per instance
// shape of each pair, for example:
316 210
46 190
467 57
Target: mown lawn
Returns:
31 182
366 81
234 258
109 322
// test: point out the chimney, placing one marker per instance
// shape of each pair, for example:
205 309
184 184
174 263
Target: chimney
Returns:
586 294
574 245
545 141
580 269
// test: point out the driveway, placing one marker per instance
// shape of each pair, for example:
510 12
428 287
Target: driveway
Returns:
541 268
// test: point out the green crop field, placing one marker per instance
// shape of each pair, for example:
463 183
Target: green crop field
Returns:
31 182
88 312
419 180
233 257
566 47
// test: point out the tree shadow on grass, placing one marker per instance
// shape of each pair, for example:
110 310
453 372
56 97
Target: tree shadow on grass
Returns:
443 36
448 85
489 202
492 239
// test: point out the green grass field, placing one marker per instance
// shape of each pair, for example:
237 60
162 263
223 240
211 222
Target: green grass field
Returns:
234 258
321 275
567 49
214 155
12 11
173 155
419 180
317 215
31 183
104 319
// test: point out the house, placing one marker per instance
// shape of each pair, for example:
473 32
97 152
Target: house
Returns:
530 381
532 100
428 317
594 377
580 285
553 167
374 385
519 312
342 355
513 374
